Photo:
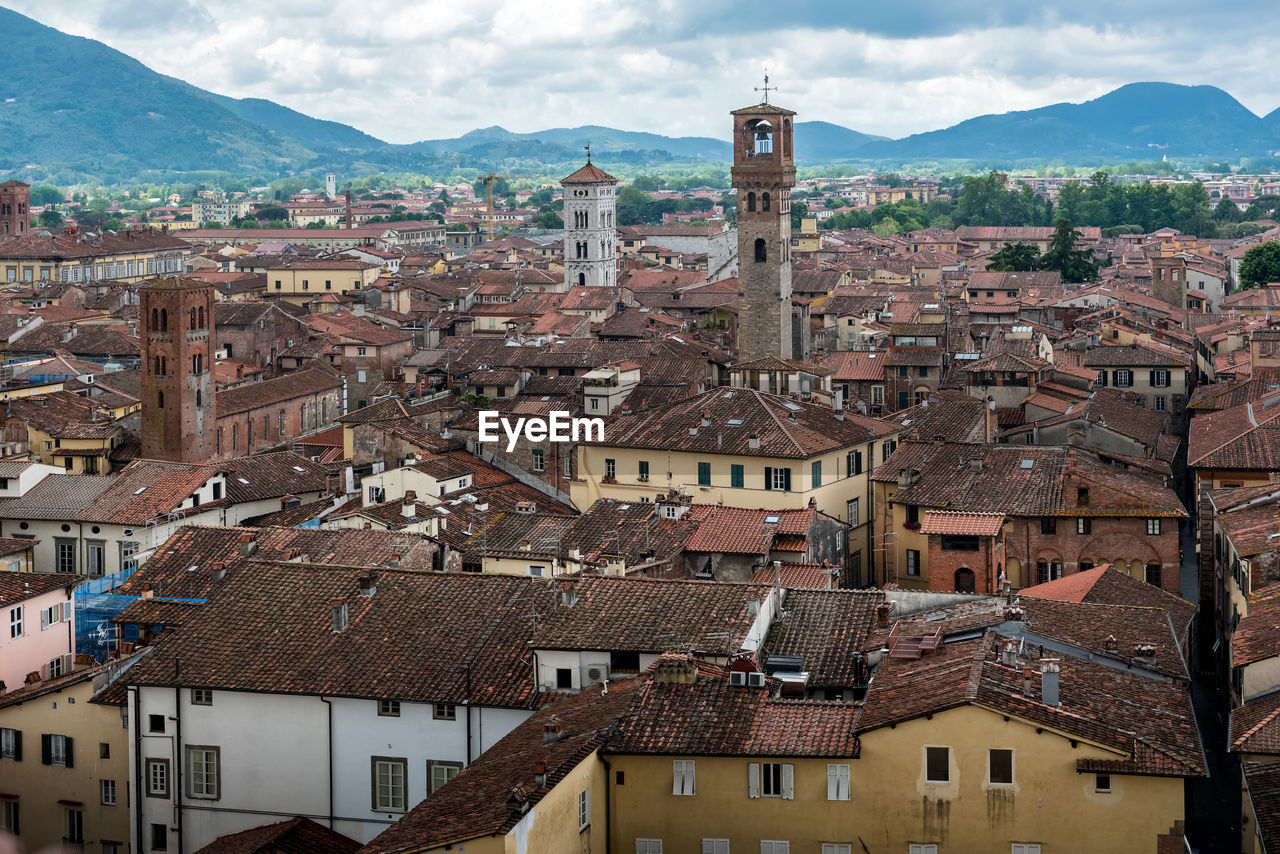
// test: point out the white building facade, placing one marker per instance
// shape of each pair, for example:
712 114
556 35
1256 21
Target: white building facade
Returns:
590 230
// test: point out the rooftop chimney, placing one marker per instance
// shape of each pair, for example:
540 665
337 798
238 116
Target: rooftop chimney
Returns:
552 730
882 615
219 571
1049 670
1028 682
540 773
754 443
248 543
409 508
975 465
1112 645
675 668
368 585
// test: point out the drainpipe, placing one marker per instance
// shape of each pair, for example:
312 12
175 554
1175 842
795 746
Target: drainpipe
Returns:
177 755
468 706
608 808
329 709
138 794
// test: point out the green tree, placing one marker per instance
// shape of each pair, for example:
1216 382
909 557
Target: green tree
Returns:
799 210
50 218
549 220
886 227
1014 257
1260 265
211 223
1075 265
113 224
45 194
266 213
1227 211
249 223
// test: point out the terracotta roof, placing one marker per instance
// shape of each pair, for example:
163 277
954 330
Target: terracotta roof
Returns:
270 392
295 836
1108 586
1257 636
19 586
477 627
827 629
797 576
971 524
1263 781
1133 355
1255 726
814 430
58 496
734 530
589 174
651 615
1243 437
855 365
709 717
478 801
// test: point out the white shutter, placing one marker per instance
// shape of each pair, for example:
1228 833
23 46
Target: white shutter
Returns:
788 782
67 609
842 782
44 619
715 846
833 784
753 779
690 779
836 848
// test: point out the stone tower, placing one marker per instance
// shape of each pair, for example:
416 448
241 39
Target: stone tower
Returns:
763 174
15 207
177 379
590 233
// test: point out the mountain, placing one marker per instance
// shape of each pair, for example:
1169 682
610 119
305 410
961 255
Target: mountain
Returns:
825 141
78 103
1140 121
600 138
286 122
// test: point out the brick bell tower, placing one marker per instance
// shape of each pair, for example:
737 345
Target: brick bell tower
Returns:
763 173
177 380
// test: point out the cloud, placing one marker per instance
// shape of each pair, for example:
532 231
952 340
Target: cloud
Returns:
426 69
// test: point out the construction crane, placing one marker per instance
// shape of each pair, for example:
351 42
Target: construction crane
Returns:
488 201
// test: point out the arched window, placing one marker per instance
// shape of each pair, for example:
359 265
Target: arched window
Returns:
199 399
582 278
764 202
964 580
762 254
164 320
155 320
193 318
160 399
751 201
761 137
195 363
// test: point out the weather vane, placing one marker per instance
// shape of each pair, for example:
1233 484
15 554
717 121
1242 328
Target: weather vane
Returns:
765 88
587 148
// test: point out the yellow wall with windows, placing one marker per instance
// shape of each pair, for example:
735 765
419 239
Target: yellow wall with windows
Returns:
1049 802
298 285
44 449
39 787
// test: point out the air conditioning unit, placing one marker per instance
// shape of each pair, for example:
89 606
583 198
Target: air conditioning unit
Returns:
755 680
737 677
595 673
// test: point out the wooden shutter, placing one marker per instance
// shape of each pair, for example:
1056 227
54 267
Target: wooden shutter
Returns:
768 477
788 779
67 610
857 462
17 745
46 749
786 479
70 758
753 779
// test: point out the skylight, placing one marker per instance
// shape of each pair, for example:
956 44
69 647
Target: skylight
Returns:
735 422
300 469
242 480
140 490
794 407
772 519
1028 464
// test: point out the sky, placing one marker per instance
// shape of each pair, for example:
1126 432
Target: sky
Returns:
406 70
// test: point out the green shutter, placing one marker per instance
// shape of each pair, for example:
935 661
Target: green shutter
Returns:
46 749
736 477
786 480
70 758
768 477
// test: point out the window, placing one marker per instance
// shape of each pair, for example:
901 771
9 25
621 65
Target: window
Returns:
108 788
913 562
817 473
15 622
389 708
1159 379
1160 403
388 784
915 848
584 809
104 750
74 832
157 778
361 351
1152 574
9 817
877 395
536 571
761 252
903 370
159 837
853 463
11 744
853 514
201 696
837 848
439 773
1025 848
610 469
771 780
56 750
1000 767
715 846
564 678
444 712
778 479
774 846
1122 379
65 555
837 782
683 777
648 846
111 847
97 557
155 723
1102 783
1153 527
339 616
1084 526
704 474
737 476
937 764
924 371
539 460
